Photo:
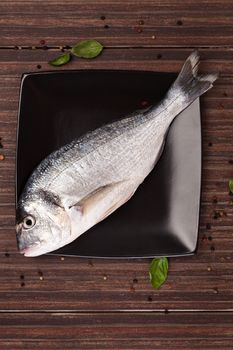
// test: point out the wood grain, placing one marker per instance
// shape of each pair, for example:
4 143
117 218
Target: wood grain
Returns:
132 23
122 331
72 303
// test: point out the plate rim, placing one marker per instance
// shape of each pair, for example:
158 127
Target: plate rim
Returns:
25 75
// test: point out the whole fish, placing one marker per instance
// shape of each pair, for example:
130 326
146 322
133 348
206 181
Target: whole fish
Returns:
83 182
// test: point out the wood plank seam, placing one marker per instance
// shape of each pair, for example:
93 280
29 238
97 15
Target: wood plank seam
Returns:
175 47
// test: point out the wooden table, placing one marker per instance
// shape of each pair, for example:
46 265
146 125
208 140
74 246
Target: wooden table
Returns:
54 303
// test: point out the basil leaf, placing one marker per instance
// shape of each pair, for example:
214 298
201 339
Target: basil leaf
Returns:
87 49
60 60
158 272
231 185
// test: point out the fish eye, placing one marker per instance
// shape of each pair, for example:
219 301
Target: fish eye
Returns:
28 222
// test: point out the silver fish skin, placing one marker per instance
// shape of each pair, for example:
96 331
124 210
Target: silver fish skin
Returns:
83 182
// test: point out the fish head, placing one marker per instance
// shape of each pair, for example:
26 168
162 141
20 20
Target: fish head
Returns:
42 224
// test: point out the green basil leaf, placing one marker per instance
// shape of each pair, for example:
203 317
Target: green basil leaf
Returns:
231 185
87 49
158 272
60 60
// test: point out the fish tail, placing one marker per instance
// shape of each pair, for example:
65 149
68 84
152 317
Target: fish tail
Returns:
191 84
187 87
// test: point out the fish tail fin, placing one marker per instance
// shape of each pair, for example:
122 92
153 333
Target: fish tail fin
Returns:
187 87
191 84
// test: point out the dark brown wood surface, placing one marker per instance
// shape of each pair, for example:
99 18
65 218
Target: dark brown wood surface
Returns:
69 303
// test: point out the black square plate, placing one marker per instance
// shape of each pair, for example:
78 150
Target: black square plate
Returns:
162 217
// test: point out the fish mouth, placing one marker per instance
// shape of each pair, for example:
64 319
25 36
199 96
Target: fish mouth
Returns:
31 250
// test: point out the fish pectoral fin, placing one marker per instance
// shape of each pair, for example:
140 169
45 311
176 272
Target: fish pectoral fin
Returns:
103 201
109 198
82 205
93 198
116 205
